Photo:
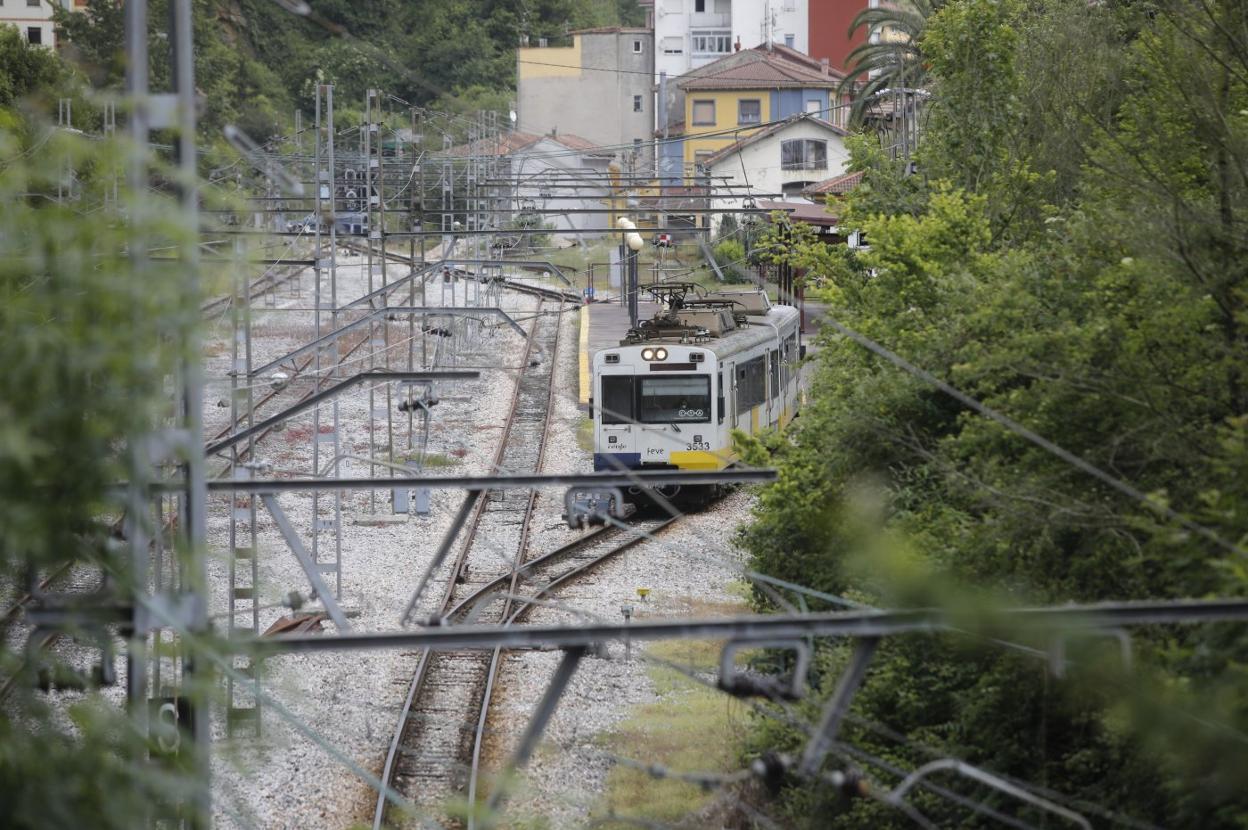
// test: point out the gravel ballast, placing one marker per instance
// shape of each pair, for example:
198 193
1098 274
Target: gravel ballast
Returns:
285 778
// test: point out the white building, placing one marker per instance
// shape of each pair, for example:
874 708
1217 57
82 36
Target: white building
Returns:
783 159
556 175
33 18
691 33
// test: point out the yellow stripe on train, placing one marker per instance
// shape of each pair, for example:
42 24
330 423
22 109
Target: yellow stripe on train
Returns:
701 459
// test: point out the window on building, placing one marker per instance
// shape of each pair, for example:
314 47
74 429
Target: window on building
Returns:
750 111
636 103
814 107
34 3
789 40
637 146
34 35
703 113
717 42
699 5
673 46
637 47
803 154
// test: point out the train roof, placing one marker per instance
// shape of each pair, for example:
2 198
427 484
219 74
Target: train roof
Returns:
722 320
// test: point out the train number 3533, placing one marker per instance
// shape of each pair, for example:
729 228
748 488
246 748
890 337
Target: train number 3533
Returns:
698 445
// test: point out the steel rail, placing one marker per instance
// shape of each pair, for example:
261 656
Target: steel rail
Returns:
259 287
532 564
385 313
315 398
320 384
530 602
13 610
420 676
521 551
629 478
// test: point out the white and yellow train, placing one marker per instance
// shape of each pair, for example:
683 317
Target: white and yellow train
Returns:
670 395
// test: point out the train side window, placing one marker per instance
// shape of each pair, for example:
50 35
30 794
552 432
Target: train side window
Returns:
616 401
774 359
751 383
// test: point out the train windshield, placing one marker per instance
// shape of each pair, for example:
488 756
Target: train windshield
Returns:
685 399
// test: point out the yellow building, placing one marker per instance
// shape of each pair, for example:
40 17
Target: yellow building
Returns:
729 99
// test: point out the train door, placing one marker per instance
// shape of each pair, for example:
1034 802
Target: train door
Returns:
751 394
792 395
615 414
775 405
722 394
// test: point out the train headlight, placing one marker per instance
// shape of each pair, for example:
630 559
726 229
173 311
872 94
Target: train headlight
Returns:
647 354
660 354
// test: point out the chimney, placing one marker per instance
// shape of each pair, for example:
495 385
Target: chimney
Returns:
736 47
823 62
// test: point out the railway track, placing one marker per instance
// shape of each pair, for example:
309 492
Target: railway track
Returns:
432 742
58 578
266 282
506 599
319 384
531 584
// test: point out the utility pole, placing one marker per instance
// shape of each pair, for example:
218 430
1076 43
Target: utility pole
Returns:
181 703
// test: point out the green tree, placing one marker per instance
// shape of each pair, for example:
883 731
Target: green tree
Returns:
891 54
1079 265
87 347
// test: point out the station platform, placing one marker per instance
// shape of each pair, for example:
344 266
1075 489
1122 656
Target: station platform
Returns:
603 325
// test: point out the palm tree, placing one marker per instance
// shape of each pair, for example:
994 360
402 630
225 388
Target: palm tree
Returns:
891 57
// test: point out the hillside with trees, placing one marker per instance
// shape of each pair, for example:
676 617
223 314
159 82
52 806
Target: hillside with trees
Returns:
256 62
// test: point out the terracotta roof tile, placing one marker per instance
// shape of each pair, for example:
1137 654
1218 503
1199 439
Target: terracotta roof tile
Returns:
836 185
806 212
775 68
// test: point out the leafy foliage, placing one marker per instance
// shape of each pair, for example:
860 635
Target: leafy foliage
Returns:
88 346
256 62
1074 256
730 256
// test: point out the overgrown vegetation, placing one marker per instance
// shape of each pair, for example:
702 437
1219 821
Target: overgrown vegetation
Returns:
88 343
690 727
1073 251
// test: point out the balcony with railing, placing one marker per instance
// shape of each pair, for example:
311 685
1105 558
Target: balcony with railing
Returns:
710 20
